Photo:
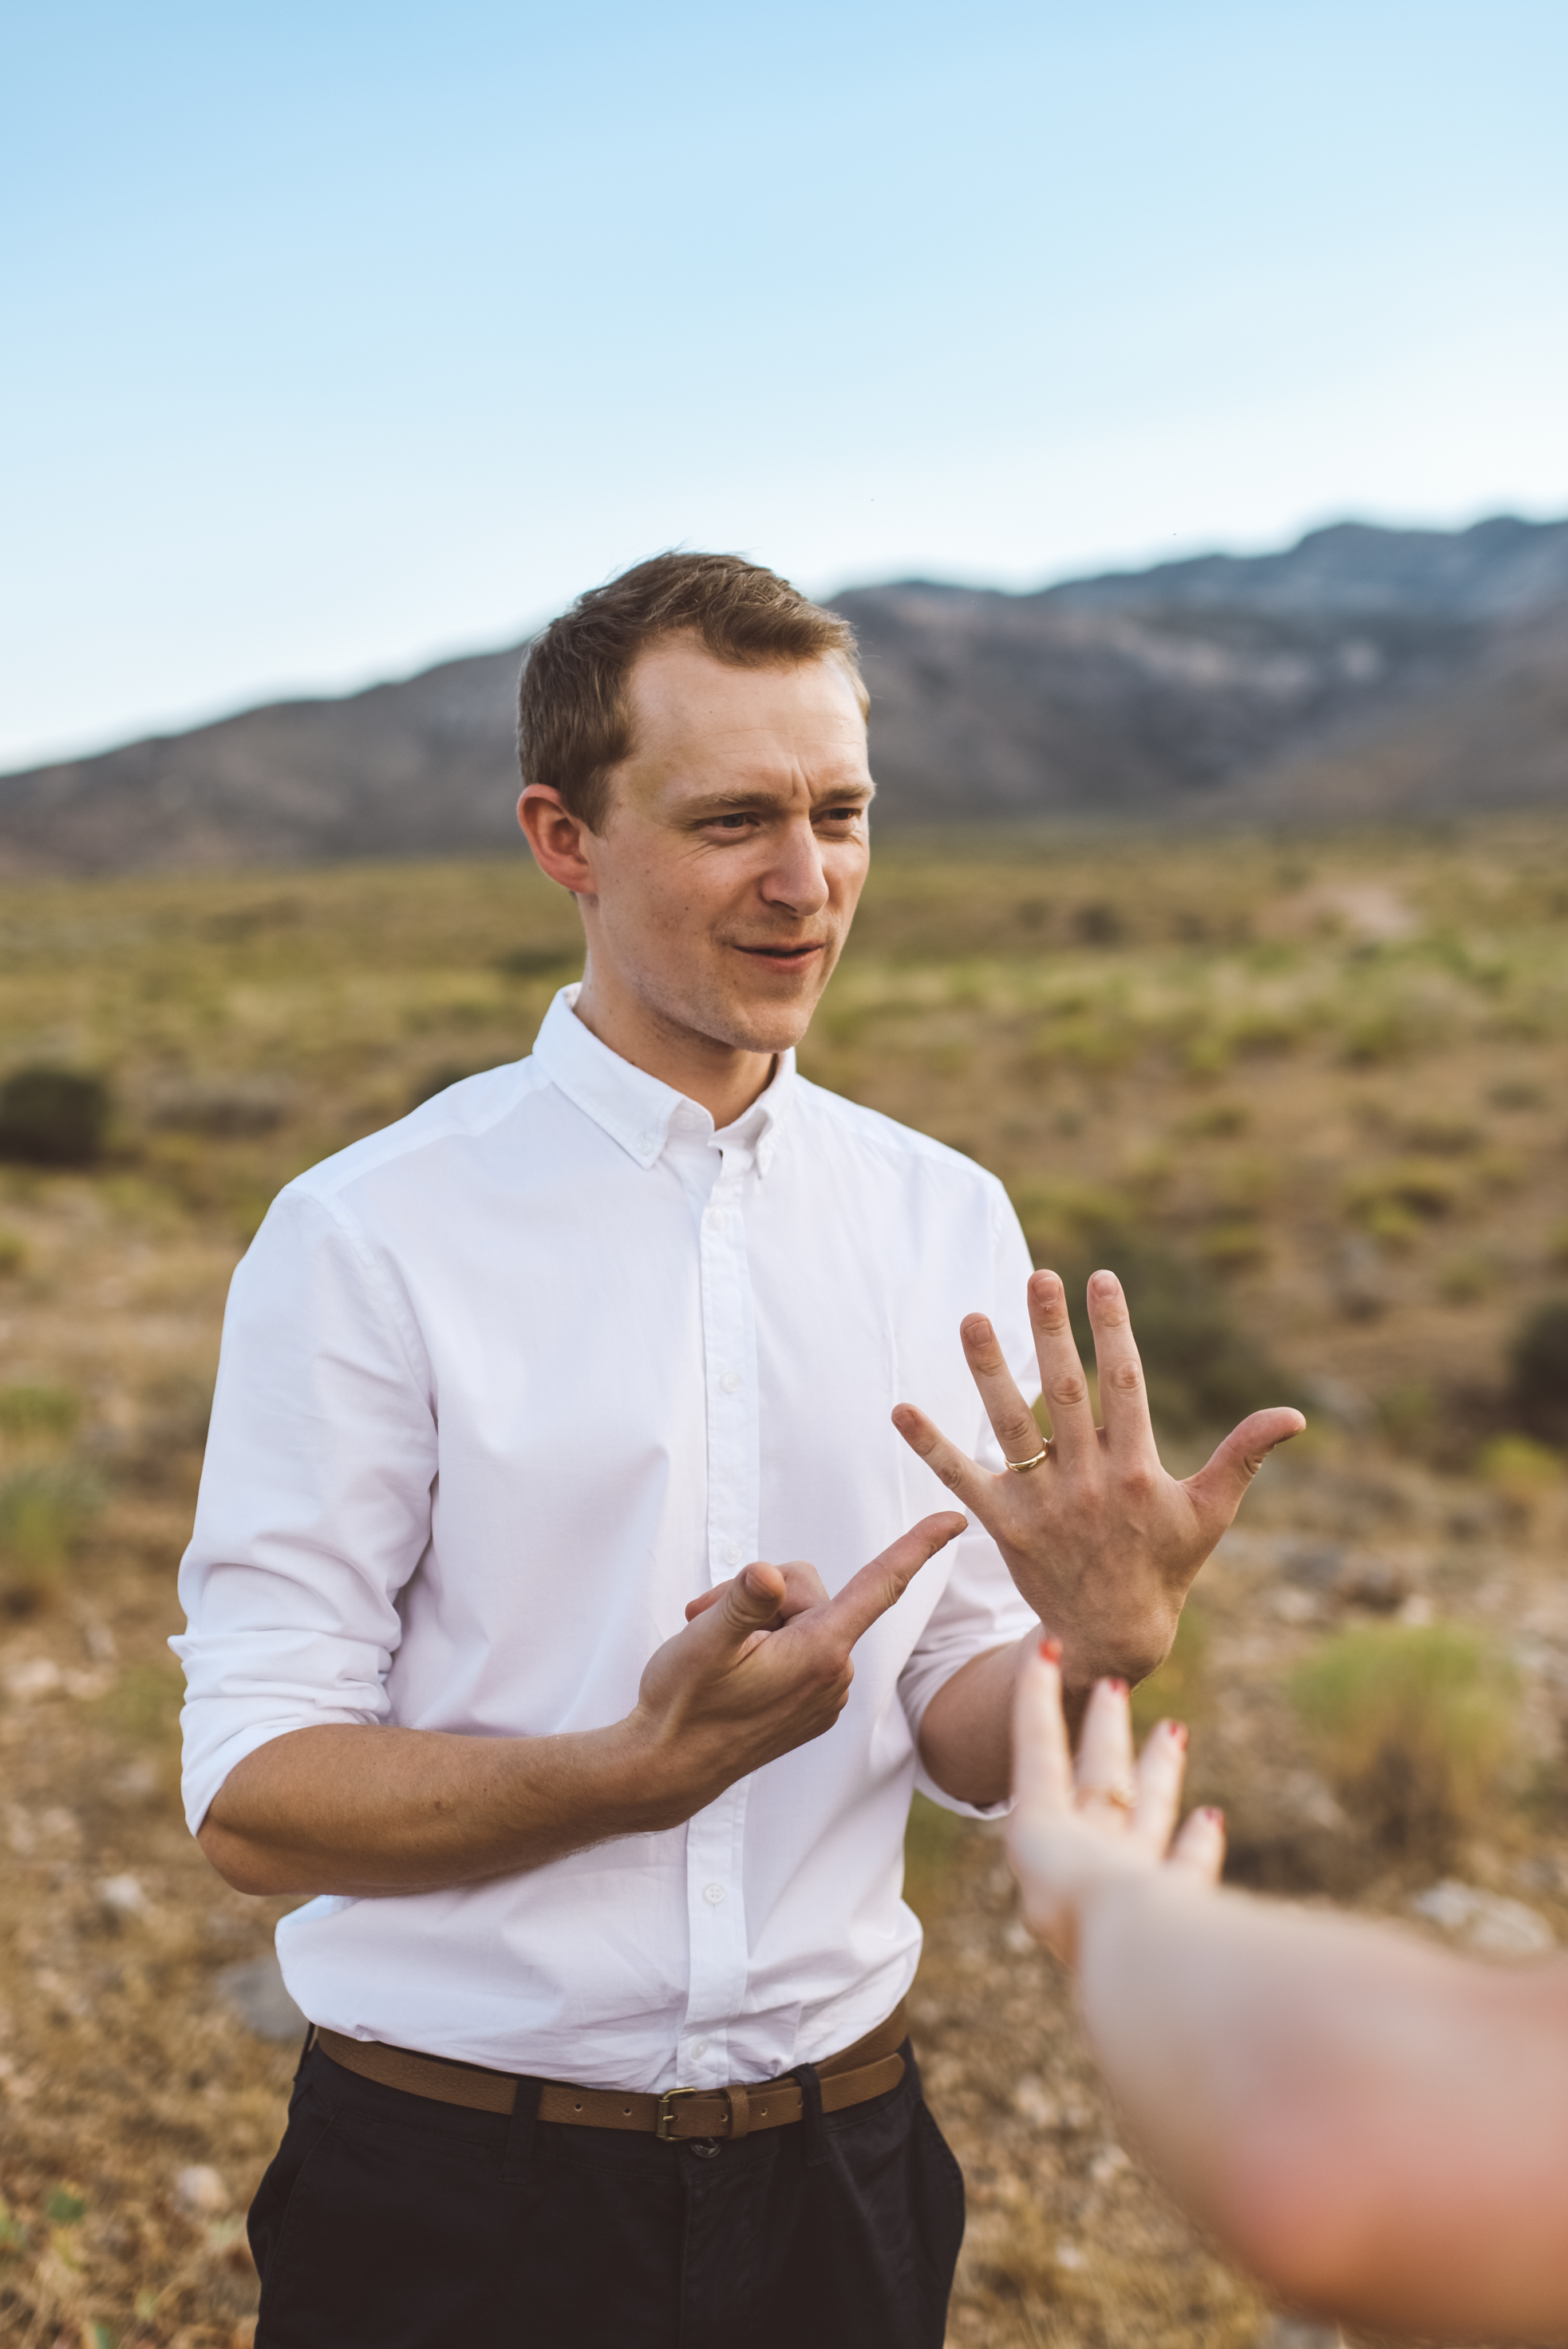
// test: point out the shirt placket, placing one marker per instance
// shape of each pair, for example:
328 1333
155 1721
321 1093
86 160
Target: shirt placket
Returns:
714 1894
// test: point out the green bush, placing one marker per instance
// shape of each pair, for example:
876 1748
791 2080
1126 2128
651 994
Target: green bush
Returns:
29 1413
1413 1725
1538 1359
1416 1186
932 1844
53 1117
43 1512
1178 1689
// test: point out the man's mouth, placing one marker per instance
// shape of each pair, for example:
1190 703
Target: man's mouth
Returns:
787 955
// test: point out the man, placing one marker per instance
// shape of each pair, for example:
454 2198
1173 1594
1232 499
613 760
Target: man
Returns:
604 1816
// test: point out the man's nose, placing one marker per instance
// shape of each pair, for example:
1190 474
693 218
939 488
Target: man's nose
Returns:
796 878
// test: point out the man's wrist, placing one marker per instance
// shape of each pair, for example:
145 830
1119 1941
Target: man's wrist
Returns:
649 1778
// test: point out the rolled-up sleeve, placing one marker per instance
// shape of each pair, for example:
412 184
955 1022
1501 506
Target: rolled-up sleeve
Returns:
315 1505
980 1607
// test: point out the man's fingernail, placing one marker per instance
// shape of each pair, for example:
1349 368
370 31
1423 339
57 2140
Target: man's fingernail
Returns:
1050 1649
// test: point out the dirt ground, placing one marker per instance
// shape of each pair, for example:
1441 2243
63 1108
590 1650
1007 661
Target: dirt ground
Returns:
1324 1080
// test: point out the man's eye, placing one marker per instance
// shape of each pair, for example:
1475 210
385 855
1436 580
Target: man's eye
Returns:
840 815
731 822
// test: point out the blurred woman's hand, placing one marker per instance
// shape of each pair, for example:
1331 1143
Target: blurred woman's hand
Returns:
1075 1832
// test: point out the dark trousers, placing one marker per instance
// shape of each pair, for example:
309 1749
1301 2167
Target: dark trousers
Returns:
389 2221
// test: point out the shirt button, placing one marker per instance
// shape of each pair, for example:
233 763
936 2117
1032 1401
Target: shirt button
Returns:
698 2048
733 1554
713 1894
716 1217
730 1383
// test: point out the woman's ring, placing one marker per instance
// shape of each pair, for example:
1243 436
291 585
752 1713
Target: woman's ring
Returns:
1122 1796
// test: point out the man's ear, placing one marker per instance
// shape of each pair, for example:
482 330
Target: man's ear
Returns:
559 840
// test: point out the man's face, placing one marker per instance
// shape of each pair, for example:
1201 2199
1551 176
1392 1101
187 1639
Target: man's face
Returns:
736 844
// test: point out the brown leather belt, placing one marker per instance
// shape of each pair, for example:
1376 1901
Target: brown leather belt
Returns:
869 2068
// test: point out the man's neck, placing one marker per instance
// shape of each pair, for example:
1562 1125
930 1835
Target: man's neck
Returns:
723 1079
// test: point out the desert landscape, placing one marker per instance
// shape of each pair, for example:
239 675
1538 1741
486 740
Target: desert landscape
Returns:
1306 1091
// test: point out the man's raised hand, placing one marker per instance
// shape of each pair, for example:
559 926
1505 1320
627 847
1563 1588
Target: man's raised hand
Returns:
1102 1542
763 1665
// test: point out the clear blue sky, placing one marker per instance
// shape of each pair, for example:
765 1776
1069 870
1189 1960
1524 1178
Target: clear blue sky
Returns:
343 336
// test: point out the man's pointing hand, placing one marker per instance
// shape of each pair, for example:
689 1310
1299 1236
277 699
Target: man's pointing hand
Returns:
765 1665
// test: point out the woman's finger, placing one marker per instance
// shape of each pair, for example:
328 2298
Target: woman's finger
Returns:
1199 1849
1159 1774
1042 1759
1106 1775
1013 1422
1065 1388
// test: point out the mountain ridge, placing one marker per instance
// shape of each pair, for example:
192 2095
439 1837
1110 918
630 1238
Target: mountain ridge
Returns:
1361 671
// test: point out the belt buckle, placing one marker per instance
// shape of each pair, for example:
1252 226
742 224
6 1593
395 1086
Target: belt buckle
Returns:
664 2121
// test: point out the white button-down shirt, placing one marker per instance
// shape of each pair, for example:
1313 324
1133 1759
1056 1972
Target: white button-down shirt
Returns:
502 1388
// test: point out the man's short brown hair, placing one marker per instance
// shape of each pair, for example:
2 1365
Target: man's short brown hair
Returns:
574 718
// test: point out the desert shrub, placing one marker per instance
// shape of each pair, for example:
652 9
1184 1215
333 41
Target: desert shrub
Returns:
1436 1134
1179 1690
1468 1277
224 1107
1501 1171
144 1706
1522 1471
1215 1121
541 962
1245 1187
1236 1245
1538 1359
1413 1725
13 1252
1098 1043
1265 1028
1420 1186
43 1512
29 1413
53 1117
930 1848
1556 1247
1409 1415
1098 923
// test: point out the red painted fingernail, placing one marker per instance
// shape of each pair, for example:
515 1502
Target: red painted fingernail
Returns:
1215 1816
1178 1730
1050 1649
1117 1688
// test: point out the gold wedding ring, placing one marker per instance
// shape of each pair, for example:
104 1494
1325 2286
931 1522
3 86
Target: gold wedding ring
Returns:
1022 1467
1122 1796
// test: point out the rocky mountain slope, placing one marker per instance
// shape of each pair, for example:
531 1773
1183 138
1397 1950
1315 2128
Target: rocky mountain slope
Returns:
1362 671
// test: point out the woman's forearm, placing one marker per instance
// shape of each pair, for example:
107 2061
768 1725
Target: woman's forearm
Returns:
1371 2126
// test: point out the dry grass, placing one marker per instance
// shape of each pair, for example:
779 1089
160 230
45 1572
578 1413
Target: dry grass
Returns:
1314 1094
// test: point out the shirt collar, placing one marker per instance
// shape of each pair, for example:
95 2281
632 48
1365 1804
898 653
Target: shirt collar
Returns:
638 1110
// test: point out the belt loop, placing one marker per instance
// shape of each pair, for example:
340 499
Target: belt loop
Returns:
814 2129
309 2044
740 2106
520 2131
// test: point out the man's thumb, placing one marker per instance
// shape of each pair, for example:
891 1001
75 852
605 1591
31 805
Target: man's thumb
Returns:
752 1602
